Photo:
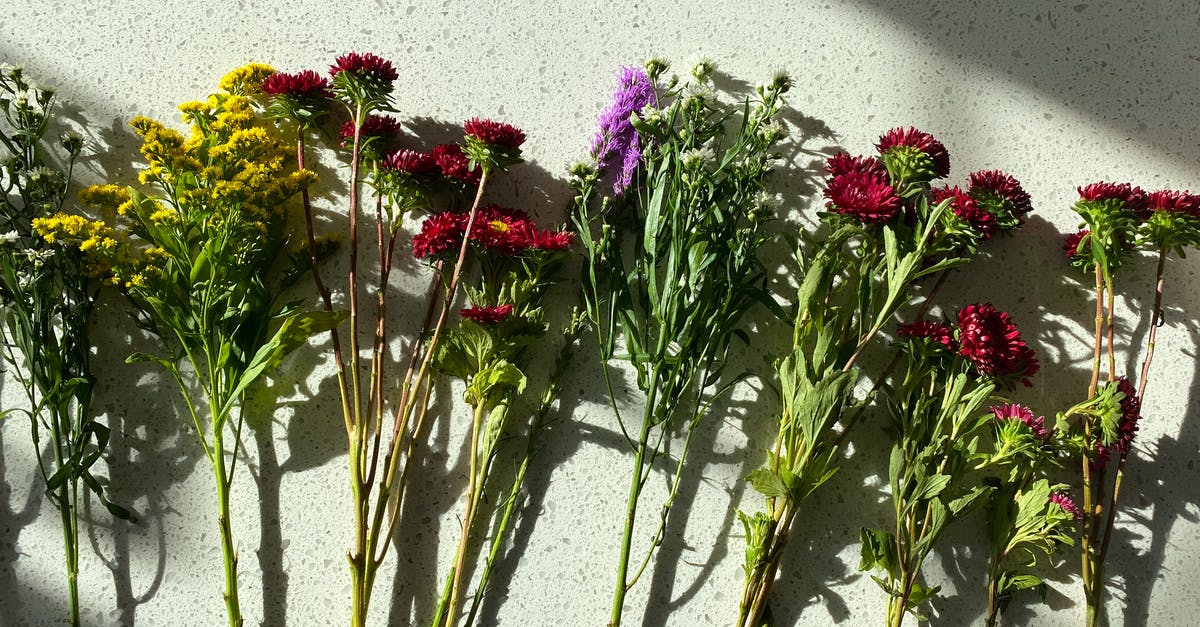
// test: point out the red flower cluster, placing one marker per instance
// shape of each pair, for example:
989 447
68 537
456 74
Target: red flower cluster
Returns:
913 138
998 184
1133 197
382 126
967 209
500 229
864 195
454 164
411 161
1127 426
487 315
936 331
1071 243
1013 411
365 64
1065 503
303 84
993 344
495 133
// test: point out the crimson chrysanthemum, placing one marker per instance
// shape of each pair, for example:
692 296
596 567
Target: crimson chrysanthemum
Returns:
411 161
381 126
990 340
496 133
1014 411
863 196
440 232
1172 201
912 138
552 240
1132 196
502 230
487 315
454 163
842 163
1067 505
1127 425
940 333
1071 242
303 84
1001 195
967 209
365 64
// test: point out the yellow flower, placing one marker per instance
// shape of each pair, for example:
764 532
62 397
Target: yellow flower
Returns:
107 197
137 280
246 79
164 215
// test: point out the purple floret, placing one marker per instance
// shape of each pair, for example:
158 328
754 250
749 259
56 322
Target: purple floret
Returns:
616 143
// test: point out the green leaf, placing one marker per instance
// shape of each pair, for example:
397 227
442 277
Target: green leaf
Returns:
486 385
767 482
296 329
929 487
878 552
138 357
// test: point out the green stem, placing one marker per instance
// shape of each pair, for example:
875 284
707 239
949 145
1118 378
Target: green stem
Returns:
635 489
448 605
70 528
223 522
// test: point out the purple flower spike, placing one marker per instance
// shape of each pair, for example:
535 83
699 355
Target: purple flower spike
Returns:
616 143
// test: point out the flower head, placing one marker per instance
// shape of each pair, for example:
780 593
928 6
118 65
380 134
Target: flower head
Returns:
864 196
617 143
1065 503
495 133
1071 244
454 164
935 331
487 315
383 127
1127 424
1133 197
1002 196
842 163
1171 201
1022 414
412 162
366 65
913 155
305 84
503 230
967 209
992 343
550 240
440 232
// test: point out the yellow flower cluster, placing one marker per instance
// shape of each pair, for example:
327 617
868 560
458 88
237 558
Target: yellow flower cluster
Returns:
247 79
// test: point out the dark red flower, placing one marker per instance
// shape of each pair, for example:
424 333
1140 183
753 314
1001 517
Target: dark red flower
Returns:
552 240
496 133
1172 201
440 232
1002 186
382 126
454 164
842 163
1071 243
1065 503
866 197
411 161
920 140
1133 197
365 64
967 209
1127 426
487 315
936 331
1013 411
501 229
993 344
303 84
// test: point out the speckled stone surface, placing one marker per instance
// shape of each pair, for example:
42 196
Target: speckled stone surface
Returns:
1060 94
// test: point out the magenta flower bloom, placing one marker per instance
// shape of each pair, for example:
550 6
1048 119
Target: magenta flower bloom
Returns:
1002 196
921 141
967 209
365 64
1013 411
496 133
411 161
936 331
1071 242
487 315
1127 426
993 344
617 143
842 163
864 196
304 84
454 164
1171 201
440 232
1132 196
501 229
384 127
1065 503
